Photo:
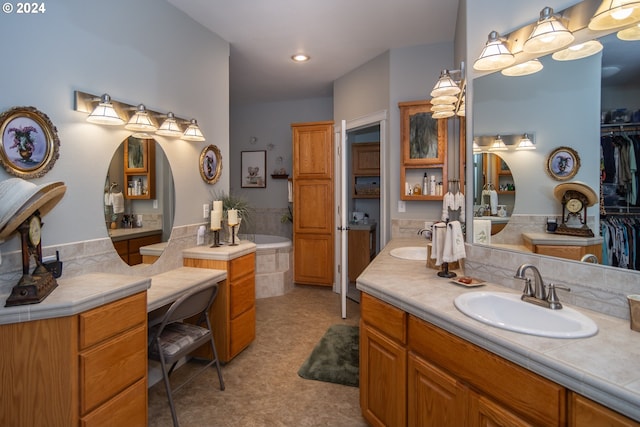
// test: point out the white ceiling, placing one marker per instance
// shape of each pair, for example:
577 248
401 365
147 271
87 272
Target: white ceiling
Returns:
339 35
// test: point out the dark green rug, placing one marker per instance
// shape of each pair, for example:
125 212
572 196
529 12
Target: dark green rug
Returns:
335 358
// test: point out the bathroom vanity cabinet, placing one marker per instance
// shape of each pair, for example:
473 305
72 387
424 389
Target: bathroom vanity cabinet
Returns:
561 246
233 313
129 248
415 373
87 370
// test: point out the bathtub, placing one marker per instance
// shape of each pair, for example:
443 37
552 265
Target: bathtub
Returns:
274 263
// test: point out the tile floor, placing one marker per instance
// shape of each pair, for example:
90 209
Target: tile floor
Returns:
262 384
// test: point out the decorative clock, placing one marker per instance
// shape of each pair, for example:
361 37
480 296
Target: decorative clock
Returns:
575 197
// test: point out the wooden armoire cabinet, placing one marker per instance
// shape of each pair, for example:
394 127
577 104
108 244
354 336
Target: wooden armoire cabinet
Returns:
313 200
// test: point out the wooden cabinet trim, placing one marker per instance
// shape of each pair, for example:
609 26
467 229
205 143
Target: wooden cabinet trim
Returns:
388 319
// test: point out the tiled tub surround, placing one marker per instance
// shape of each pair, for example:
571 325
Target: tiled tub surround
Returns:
274 261
608 375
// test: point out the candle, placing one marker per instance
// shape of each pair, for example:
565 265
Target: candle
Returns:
217 205
232 217
216 219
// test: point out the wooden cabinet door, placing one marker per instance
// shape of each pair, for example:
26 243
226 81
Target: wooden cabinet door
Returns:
585 412
483 412
383 384
365 159
313 204
434 398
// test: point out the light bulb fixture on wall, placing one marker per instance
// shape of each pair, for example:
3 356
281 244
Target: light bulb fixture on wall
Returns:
503 142
498 144
578 51
445 86
525 143
524 69
193 132
630 34
104 113
548 35
614 14
495 55
449 94
143 122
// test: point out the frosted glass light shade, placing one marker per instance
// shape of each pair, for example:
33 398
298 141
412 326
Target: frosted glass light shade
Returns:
615 14
140 121
630 34
498 145
104 113
442 114
170 127
445 86
445 99
578 51
530 67
443 107
193 132
525 143
548 35
494 56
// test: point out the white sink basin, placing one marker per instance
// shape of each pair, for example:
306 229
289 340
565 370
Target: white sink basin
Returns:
415 253
508 311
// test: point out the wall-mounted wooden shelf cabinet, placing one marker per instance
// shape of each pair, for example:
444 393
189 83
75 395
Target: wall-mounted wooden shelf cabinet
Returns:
140 167
365 170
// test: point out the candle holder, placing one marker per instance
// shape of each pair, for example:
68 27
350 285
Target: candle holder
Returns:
233 235
216 239
445 271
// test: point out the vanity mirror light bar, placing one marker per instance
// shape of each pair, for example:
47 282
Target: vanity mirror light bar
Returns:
581 21
516 141
107 111
448 94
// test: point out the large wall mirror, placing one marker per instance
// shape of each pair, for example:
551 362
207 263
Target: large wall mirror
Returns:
561 105
139 200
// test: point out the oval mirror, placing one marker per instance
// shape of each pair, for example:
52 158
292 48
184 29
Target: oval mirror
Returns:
494 191
139 200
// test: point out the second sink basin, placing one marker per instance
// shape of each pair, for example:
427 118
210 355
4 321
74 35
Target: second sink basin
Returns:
507 311
416 253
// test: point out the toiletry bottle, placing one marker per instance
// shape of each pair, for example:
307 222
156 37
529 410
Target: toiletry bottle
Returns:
432 185
425 184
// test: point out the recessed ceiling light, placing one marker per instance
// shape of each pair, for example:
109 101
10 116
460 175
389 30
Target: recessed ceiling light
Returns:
300 57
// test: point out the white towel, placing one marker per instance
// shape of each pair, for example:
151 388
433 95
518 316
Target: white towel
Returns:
437 241
493 201
453 202
290 188
107 199
482 231
453 243
117 201
458 202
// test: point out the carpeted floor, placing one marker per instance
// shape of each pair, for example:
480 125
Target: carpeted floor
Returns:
262 384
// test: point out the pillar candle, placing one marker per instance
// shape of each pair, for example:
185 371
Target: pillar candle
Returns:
216 219
217 205
232 217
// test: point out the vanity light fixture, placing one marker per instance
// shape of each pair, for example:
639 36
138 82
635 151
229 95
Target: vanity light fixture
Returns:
525 143
443 107
445 86
141 121
193 132
446 99
300 57
578 51
104 113
170 127
524 69
442 114
548 35
614 14
630 34
495 55
498 144
476 147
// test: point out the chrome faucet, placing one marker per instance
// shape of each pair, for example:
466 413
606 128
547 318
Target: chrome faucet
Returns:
536 293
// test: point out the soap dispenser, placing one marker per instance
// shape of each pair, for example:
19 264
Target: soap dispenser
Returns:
425 184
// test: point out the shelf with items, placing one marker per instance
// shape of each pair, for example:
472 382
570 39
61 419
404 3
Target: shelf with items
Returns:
366 187
365 170
140 168
414 175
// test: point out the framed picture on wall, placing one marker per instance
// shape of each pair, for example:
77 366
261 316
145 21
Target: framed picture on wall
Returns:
423 138
563 163
253 165
210 164
30 142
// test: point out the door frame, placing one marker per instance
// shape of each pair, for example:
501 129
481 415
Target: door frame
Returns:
381 119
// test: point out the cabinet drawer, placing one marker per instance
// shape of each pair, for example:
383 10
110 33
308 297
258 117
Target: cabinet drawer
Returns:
241 266
128 408
386 318
138 242
104 322
530 395
243 331
122 247
242 295
109 368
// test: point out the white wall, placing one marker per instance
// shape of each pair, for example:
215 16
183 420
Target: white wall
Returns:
143 51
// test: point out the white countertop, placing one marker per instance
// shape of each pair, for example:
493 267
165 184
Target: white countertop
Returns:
222 253
75 295
602 367
560 239
129 233
167 287
156 249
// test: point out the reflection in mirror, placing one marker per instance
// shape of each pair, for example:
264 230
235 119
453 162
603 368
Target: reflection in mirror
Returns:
139 200
494 191
563 105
